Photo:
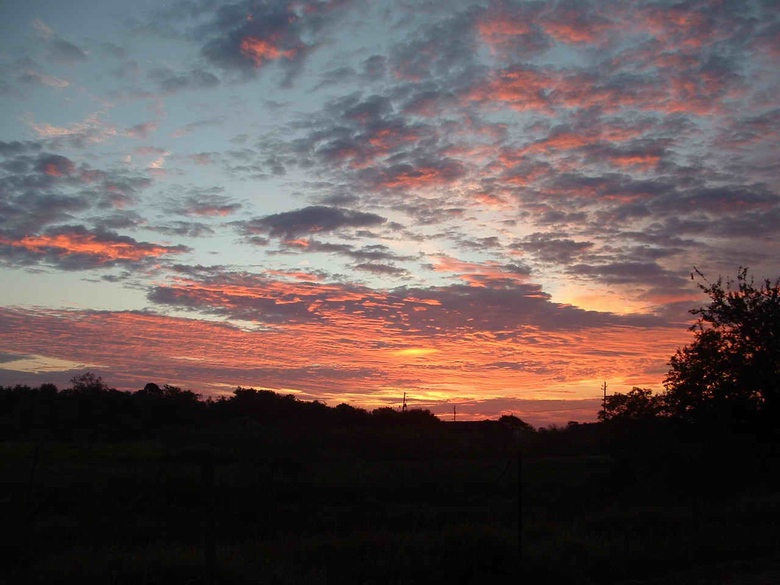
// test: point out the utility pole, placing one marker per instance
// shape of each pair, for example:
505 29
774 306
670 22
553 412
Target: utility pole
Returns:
403 408
454 409
604 401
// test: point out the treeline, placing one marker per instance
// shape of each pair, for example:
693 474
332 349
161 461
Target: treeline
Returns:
90 410
251 424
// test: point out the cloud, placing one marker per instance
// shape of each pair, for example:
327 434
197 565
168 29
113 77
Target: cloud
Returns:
577 23
113 49
421 173
65 52
353 357
522 88
142 130
31 77
549 248
58 49
374 68
76 248
468 151
247 37
40 188
381 269
16 147
487 274
188 229
171 82
445 48
261 50
512 29
309 220
55 165
494 304
203 203
197 125
621 272
91 130
43 31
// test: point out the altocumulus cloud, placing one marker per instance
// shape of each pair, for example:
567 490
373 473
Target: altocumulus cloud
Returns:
309 220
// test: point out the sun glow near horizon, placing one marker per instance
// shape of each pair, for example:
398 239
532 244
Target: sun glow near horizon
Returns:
493 203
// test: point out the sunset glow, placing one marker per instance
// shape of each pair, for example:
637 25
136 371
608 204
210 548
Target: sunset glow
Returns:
492 204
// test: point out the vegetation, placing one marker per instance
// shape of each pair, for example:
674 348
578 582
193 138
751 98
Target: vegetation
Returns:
728 377
160 485
731 371
640 404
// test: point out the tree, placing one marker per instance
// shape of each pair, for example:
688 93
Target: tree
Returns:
639 404
516 423
87 383
731 371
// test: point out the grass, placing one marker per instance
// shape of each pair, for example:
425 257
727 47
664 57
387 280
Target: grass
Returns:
135 513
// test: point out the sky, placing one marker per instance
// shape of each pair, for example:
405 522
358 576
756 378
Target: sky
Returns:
493 207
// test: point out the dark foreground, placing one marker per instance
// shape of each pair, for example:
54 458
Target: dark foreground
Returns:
392 505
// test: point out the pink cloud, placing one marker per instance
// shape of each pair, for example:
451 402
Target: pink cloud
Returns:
576 27
369 366
263 50
520 88
102 250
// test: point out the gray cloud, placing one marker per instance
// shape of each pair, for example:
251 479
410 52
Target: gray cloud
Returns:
309 220
188 229
381 269
247 36
62 51
169 81
549 248
505 306
201 202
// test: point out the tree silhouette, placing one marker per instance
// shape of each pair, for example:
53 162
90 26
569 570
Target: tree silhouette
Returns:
516 423
637 405
87 383
730 373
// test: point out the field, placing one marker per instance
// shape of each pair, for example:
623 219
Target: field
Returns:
428 505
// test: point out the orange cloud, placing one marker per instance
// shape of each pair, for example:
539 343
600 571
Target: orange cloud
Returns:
89 244
53 170
499 31
680 26
643 161
421 175
387 139
478 274
567 27
355 360
494 28
262 50
520 88
540 90
559 141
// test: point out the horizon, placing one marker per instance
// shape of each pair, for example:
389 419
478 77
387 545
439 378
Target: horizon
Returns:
491 204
